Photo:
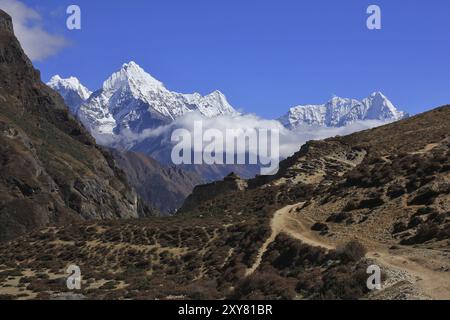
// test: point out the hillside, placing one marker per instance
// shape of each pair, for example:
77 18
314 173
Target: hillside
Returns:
161 187
288 237
388 187
51 170
337 206
376 177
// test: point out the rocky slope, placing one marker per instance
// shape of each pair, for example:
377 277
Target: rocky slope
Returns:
51 170
388 187
204 192
403 165
161 187
337 206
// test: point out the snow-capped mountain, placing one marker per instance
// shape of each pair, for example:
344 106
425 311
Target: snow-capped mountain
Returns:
340 112
73 92
132 99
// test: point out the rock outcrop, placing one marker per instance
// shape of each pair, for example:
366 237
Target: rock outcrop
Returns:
231 183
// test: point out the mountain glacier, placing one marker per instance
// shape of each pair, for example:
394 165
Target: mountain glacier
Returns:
341 112
131 99
73 92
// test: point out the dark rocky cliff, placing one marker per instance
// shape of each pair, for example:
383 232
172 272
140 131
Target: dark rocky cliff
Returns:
51 170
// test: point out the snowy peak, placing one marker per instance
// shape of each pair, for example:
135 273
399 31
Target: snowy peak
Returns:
381 108
72 91
218 100
342 102
132 76
133 100
212 105
131 81
340 112
69 84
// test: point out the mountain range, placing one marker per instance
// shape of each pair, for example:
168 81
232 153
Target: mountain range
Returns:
341 112
335 209
130 110
132 99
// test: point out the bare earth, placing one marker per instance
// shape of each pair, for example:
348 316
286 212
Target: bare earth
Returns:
427 282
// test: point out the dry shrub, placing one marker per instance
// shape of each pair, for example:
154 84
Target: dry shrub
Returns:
345 282
353 251
267 286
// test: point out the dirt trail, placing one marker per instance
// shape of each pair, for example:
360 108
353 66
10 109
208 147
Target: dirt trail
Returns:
427 148
276 225
283 221
433 283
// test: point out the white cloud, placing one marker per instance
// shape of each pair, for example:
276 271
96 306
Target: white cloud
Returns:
37 43
301 135
289 143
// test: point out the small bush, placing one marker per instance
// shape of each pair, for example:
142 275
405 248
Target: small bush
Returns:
425 210
322 227
339 217
425 233
370 203
353 251
344 282
265 286
424 197
400 227
395 191
350 206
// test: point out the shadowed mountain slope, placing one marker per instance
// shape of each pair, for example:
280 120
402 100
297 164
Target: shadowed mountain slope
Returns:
51 170
161 187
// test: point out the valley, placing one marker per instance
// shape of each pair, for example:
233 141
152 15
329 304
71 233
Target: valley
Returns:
271 239
310 231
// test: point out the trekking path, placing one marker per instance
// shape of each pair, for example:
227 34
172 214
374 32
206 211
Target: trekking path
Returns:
434 284
283 221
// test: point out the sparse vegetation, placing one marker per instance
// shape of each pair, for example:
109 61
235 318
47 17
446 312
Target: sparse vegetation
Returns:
352 251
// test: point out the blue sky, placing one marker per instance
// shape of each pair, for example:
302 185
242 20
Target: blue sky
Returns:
266 56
